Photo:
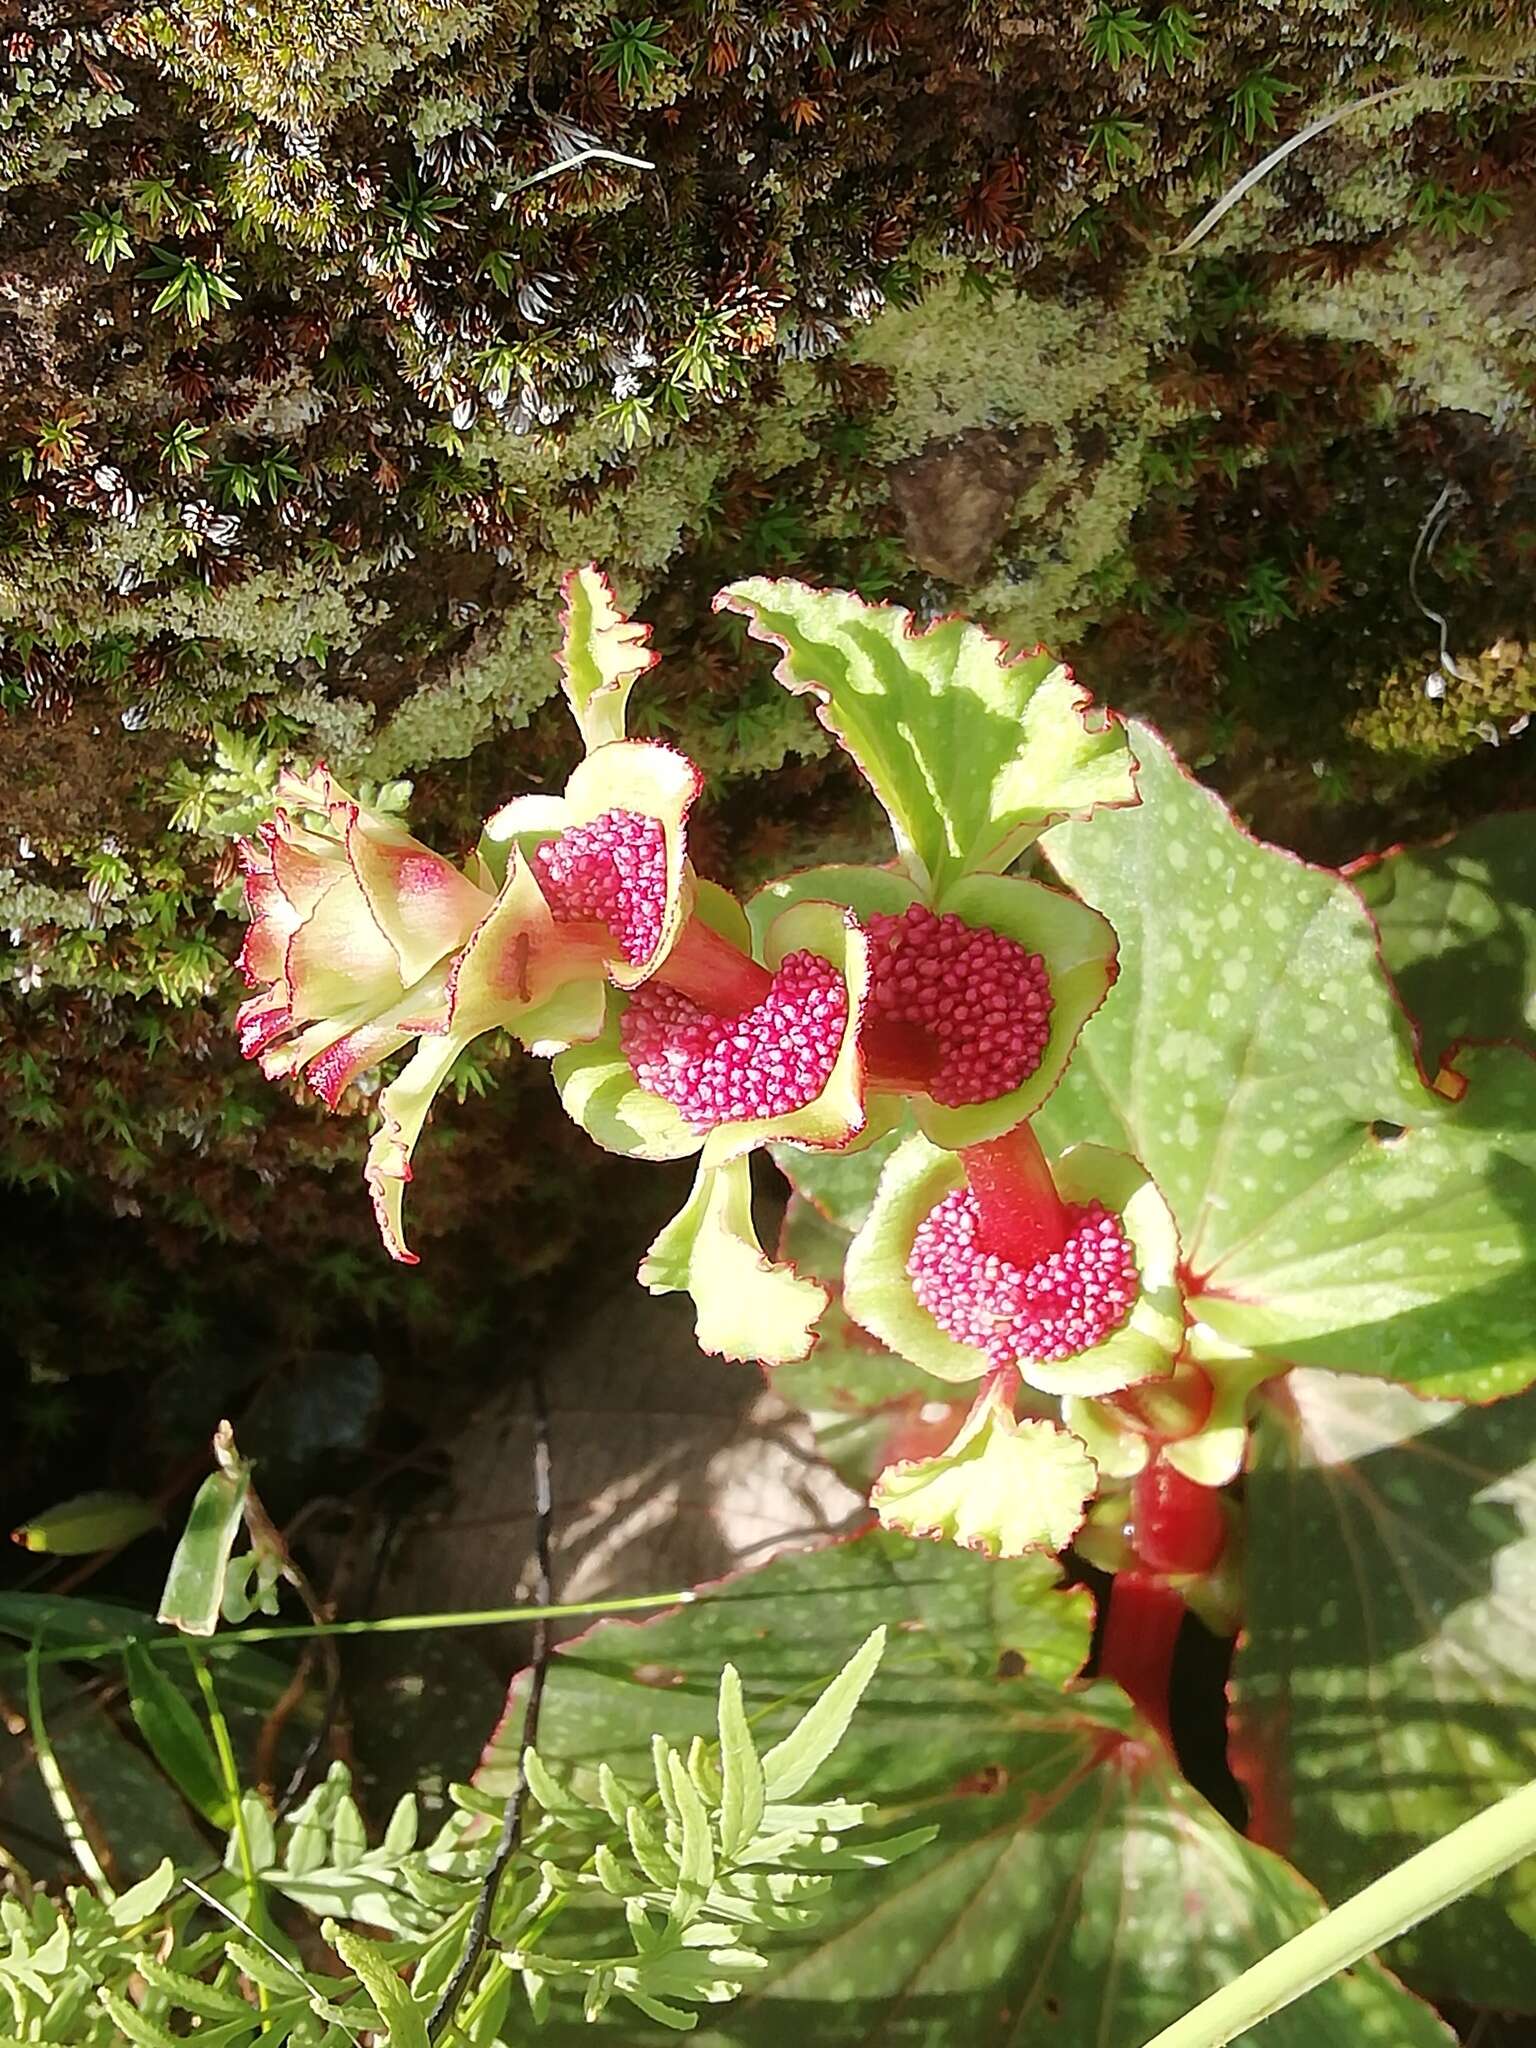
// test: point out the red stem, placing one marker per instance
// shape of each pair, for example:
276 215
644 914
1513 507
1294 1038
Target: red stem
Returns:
1140 1635
900 1058
710 971
1022 1216
1177 1526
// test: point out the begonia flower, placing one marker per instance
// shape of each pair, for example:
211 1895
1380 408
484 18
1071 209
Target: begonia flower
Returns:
994 1260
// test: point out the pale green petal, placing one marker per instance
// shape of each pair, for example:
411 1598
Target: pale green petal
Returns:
1003 1486
971 752
748 1307
603 656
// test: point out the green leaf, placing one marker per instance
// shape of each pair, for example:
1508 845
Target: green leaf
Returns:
406 2021
1079 1890
194 1587
1385 1687
191 1994
1002 1487
696 1856
1458 930
132 2024
55 1621
1254 1057
401 1830
146 1897
970 753
748 1307
603 655
88 1522
791 1764
743 1789
840 1186
260 1837
349 1839
175 1735
649 1850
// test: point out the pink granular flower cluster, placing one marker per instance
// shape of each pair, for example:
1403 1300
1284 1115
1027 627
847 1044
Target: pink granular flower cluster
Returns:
611 871
1051 1310
984 999
769 1060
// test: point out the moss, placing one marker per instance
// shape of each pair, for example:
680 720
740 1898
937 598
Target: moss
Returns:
960 362
1422 717
1453 354
300 64
506 673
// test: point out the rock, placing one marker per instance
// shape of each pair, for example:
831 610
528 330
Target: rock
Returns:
957 497
669 1469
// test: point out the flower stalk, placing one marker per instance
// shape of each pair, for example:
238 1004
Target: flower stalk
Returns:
1023 1218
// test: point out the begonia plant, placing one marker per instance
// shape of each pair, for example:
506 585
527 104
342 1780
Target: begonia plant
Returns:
1149 1123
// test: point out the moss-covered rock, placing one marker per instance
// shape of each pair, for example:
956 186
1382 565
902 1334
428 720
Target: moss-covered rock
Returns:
312 384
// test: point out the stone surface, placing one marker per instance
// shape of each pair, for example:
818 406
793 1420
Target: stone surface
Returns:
956 497
669 1469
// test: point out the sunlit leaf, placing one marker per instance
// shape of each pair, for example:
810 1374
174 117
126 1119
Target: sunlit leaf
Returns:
1332 1210
88 1522
748 1307
194 1587
1078 1891
971 751
1385 1687
1458 930
1002 1486
177 1738
602 657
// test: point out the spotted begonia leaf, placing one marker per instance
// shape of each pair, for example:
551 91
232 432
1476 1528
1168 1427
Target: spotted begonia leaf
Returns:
1079 1890
1332 1209
748 1306
1385 1688
1075 943
602 657
970 751
1458 928
880 1296
1002 1486
840 1185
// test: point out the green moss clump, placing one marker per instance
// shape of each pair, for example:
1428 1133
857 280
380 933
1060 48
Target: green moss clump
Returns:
1420 719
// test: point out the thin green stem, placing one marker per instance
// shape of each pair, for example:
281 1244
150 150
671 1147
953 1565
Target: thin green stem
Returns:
389 1625
54 1783
224 1749
1436 1877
